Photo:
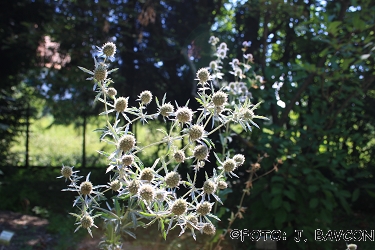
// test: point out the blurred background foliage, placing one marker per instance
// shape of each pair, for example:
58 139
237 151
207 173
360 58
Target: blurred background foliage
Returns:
316 57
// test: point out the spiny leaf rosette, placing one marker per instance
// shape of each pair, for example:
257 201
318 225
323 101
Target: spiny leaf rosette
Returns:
147 148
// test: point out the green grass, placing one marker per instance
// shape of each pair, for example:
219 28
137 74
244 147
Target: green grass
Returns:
62 144
58 144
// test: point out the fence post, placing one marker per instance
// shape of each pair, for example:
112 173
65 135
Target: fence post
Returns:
27 134
84 141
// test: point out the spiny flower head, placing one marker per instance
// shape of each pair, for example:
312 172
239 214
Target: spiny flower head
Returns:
213 40
147 174
184 114
213 65
248 114
100 72
203 75
221 53
126 143
87 221
172 179
161 195
196 132
209 187
209 229
86 188
127 160
147 192
229 165
109 49
223 46
111 92
66 171
238 72
115 185
239 159
179 206
200 152
219 98
179 156
166 109
204 208
134 187
145 97
352 247
222 184
121 104
191 221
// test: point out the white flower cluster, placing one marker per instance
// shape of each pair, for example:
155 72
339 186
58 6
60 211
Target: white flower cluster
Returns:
148 193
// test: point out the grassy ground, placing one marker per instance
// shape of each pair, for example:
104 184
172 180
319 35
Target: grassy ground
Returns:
59 144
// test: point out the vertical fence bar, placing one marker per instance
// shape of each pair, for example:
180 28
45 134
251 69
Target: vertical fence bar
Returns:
27 135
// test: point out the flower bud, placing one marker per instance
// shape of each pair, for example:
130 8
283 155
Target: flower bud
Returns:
179 207
86 188
147 174
172 179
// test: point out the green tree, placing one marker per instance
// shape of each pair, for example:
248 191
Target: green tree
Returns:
317 59
21 29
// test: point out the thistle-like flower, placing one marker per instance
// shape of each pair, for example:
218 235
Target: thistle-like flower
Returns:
201 152
179 207
67 172
126 143
86 187
100 72
147 192
115 185
239 159
86 221
219 98
166 109
127 160
229 165
133 187
121 104
222 184
145 97
209 229
184 115
203 76
109 49
196 132
172 179
209 187
112 92
179 156
204 208
147 174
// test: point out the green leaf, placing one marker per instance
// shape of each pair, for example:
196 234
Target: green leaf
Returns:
280 217
333 27
276 178
266 198
291 195
313 203
287 206
312 188
276 202
355 195
277 189
344 204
